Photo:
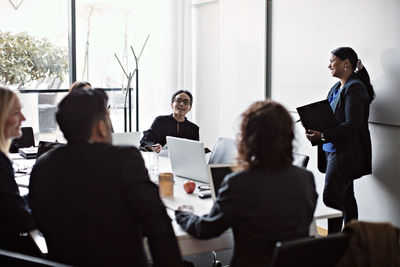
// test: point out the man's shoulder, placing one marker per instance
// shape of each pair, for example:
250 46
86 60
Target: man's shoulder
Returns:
99 152
123 151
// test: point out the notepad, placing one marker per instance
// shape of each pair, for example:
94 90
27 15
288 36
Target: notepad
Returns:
317 116
28 152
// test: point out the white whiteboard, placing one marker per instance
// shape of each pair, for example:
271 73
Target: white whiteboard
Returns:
305 32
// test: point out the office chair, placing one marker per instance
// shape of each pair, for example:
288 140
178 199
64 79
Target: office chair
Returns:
224 152
11 259
310 251
26 140
300 160
46 146
371 244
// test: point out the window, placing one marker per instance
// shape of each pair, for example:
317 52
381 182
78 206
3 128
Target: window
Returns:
104 29
34 55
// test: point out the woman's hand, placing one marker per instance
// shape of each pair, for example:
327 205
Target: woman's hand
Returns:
186 208
156 148
313 135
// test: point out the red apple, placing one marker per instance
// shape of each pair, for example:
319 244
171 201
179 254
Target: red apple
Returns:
189 186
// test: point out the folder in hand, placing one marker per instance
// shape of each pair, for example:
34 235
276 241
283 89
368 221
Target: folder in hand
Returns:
317 116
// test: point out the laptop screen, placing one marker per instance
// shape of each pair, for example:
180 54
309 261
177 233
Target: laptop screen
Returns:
45 146
217 173
187 158
126 139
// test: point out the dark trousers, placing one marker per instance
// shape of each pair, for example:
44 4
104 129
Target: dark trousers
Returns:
338 194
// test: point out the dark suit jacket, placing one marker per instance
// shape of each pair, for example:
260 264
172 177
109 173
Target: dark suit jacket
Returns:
351 137
261 208
164 126
15 216
94 203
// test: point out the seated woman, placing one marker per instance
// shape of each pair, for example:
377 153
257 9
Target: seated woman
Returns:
14 212
175 124
268 199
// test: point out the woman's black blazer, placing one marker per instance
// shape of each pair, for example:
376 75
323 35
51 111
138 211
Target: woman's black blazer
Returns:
351 136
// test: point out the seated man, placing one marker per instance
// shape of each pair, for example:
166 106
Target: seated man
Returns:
80 85
94 202
175 124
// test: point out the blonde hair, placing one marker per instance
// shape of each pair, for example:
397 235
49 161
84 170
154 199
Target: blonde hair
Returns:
6 100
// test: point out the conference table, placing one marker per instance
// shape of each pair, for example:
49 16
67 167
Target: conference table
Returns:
188 244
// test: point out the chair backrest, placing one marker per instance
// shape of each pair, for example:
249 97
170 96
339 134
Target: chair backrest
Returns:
9 258
26 140
300 160
224 152
310 251
45 146
126 139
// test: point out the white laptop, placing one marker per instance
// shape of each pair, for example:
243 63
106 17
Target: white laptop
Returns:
187 158
216 174
126 139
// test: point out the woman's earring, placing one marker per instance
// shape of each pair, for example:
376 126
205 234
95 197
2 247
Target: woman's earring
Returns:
345 69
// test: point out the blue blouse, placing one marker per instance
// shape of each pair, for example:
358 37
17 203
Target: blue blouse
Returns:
330 147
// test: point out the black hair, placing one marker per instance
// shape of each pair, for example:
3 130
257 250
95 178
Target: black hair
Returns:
180 92
78 112
79 85
348 53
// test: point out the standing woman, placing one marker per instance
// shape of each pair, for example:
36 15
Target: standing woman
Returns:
344 153
15 216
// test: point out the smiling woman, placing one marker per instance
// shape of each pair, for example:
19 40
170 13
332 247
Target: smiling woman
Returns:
14 120
176 124
14 211
344 151
11 118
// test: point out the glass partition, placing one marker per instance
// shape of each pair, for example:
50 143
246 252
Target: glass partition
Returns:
34 56
34 44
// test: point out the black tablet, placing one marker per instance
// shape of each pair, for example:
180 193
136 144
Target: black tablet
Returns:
317 116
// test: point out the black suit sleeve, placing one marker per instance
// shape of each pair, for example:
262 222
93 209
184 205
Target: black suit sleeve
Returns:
196 134
144 200
220 218
13 207
355 102
152 135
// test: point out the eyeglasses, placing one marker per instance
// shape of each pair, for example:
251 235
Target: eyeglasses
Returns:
184 101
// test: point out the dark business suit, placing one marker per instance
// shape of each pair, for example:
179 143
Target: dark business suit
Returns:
15 216
352 140
94 203
261 208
